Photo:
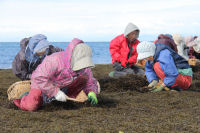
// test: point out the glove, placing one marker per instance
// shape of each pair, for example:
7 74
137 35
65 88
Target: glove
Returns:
131 61
92 98
60 96
160 88
123 63
153 84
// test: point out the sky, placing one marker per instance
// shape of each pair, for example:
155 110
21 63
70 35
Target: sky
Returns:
92 20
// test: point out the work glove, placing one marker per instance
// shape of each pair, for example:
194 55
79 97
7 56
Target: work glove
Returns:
160 88
92 98
60 96
131 61
123 63
153 85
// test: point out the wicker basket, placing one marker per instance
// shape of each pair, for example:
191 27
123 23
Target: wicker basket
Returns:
81 97
18 88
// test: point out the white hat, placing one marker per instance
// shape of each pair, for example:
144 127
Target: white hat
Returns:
130 28
189 41
81 57
196 47
145 49
177 39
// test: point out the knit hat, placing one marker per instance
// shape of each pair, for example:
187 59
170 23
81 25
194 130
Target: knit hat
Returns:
169 35
196 47
189 41
177 38
81 57
145 49
130 28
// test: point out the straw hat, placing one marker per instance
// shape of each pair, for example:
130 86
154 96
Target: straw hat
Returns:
16 90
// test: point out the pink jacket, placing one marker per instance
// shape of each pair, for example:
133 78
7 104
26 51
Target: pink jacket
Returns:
55 72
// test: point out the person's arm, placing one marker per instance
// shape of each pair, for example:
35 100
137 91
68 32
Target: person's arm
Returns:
149 72
91 84
168 66
115 49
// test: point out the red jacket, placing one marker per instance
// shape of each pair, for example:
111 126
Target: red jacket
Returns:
119 50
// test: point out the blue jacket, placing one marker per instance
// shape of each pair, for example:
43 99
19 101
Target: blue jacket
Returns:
169 62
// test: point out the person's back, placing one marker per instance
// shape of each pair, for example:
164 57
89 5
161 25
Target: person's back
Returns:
31 55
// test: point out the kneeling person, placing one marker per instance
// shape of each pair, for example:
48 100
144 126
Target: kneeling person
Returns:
61 75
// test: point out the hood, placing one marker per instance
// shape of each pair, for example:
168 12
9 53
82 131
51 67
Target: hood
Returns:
165 39
189 41
162 36
130 28
35 40
36 44
196 47
69 50
24 43
178 39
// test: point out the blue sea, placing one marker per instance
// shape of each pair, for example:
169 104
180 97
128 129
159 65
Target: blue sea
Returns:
8 51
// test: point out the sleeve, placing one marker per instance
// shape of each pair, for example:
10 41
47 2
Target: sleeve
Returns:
115 49
168 66
149 72
42 77
91 84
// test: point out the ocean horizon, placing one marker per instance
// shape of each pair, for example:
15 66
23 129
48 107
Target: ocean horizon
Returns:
9 50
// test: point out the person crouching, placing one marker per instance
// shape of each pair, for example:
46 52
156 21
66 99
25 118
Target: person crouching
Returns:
61 75
165 64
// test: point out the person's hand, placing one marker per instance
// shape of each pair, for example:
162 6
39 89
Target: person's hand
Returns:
123 63
160 88
60 96
153 84
131 60
92 98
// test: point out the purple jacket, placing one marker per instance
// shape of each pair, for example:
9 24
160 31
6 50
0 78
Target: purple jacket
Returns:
55 72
